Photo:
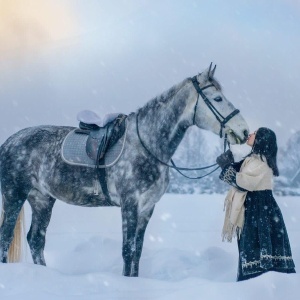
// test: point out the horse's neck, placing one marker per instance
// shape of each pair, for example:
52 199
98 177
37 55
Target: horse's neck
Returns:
164 120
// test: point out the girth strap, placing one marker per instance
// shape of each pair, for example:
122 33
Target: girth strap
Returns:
101 172
107 140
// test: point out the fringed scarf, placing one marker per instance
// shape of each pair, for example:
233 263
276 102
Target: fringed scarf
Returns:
254 175
234 214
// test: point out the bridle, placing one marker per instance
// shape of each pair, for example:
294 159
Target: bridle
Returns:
215 112
218 116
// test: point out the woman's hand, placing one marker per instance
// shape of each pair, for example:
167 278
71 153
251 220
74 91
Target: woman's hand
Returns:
225 159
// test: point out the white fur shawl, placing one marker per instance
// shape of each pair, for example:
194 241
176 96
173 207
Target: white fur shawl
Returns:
254 175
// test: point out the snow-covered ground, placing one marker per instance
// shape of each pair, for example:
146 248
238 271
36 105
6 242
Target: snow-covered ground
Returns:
183 256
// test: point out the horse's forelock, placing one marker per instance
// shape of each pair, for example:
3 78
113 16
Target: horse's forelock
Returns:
216 83
211 80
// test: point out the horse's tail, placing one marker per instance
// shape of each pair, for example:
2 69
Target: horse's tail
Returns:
15 252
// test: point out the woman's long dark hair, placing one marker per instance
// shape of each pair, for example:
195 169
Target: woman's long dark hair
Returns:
265 144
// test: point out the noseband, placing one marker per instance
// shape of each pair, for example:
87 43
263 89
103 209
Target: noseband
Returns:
216 113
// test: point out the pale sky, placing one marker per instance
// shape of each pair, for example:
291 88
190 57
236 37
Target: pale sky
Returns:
60 57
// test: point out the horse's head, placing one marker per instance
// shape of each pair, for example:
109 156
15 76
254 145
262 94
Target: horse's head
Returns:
214 112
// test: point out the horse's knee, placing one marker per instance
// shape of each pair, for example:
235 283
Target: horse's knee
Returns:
36 239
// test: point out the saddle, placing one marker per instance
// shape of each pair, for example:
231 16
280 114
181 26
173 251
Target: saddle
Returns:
101 139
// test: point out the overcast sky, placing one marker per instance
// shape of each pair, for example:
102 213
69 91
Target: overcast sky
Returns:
60 57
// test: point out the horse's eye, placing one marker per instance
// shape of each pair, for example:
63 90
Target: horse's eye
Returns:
218 99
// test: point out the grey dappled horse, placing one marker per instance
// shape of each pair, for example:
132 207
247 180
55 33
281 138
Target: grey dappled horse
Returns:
31 167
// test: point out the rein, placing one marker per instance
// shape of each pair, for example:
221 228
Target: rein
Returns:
218 116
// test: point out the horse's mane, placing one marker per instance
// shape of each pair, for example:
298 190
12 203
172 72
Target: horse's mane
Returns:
164 97
171 92
216 83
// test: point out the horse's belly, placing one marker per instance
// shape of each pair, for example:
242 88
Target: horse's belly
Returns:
89 196
89 200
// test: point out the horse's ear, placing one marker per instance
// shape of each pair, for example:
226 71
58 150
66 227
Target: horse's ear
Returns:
209 69
211 75
206 74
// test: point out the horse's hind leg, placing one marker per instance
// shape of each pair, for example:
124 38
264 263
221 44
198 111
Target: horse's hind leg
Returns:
11 207
41 206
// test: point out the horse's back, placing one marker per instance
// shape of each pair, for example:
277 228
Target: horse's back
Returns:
24 147
28 138
35 134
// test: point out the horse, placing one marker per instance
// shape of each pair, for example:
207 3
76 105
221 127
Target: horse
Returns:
32 169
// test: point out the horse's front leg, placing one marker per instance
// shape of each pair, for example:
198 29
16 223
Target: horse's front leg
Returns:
134 227
143 221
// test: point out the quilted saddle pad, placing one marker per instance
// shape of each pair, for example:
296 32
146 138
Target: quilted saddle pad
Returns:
73 151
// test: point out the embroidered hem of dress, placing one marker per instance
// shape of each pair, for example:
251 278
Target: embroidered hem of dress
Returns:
257 262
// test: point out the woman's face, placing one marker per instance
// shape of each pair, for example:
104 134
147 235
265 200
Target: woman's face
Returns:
251 139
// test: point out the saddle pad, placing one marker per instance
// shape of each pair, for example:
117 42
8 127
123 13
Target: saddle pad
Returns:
73 151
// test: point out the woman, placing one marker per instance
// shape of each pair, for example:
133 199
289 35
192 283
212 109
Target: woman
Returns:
251 210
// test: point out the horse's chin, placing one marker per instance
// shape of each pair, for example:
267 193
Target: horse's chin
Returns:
234 139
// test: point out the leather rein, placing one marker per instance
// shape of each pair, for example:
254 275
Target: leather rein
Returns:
222 120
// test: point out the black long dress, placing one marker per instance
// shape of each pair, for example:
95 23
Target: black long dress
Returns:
264 243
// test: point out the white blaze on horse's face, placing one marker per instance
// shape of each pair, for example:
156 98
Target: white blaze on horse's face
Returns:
236 128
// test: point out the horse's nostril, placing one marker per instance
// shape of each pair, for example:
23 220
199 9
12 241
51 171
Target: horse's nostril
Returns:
246 133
